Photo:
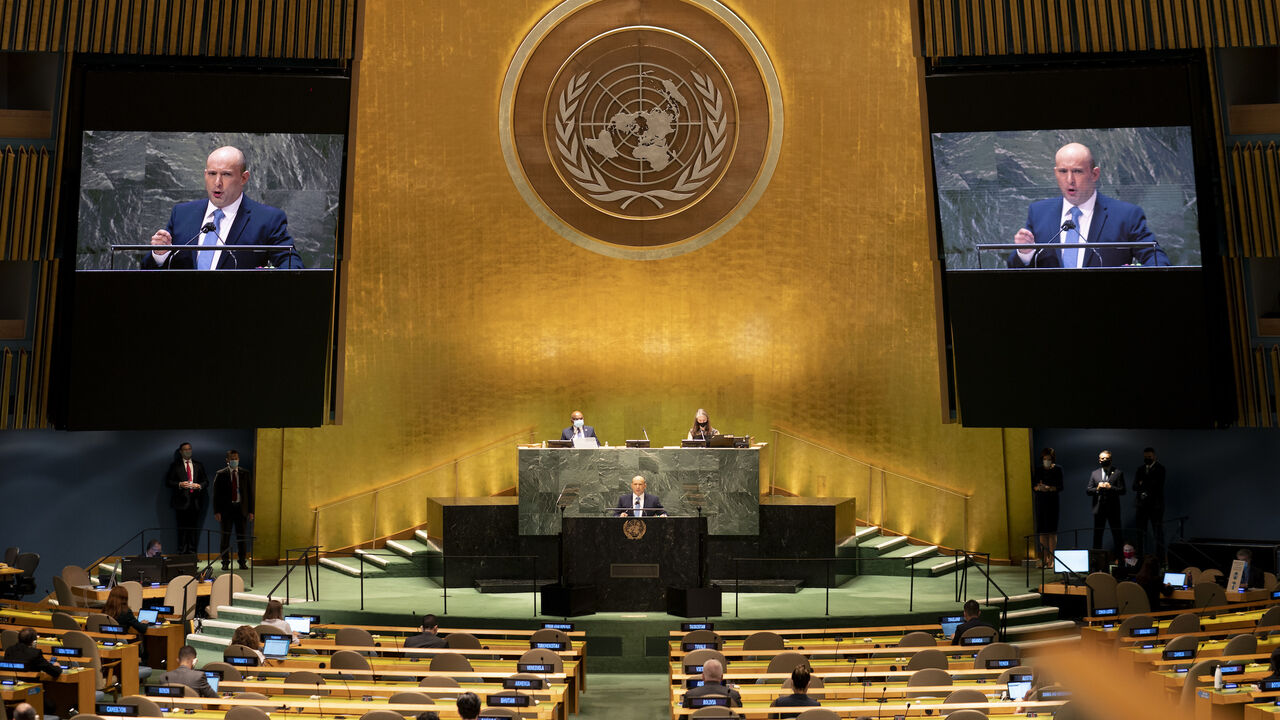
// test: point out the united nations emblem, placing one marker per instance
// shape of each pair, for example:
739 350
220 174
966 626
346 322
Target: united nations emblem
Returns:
626 135
633 529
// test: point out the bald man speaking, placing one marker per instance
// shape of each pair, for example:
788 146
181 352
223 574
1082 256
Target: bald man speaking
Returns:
226 219
1083 215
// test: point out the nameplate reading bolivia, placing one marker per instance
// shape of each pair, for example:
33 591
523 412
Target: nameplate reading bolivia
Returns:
628 136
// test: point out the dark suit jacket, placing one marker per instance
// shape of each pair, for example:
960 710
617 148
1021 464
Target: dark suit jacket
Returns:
222 490
1105 498
587 431
193 679
255 224
735 700
32 656
1148 485
1113 221
425 640
182 499
650 502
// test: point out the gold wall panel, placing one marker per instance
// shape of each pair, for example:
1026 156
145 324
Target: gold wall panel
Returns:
468 319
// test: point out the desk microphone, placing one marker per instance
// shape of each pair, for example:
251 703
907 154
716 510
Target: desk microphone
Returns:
1067 226
206 228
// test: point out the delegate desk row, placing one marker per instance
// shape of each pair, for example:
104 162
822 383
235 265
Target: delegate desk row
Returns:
301 692
1221 620
314 708
161 644
489 645
411 665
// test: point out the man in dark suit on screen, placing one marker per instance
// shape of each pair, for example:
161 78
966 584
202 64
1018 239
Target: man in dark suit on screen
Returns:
226 219
639 503
187 485
233 507
1083 214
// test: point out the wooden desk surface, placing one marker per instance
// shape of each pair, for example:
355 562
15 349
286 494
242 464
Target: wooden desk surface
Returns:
149 592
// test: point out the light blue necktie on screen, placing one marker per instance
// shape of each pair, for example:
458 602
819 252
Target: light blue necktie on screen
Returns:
210 238
1070 256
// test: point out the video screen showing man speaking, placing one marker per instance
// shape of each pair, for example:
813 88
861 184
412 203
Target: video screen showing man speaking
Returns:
1077 199
208 190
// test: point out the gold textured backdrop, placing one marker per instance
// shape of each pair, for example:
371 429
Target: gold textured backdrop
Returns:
469 321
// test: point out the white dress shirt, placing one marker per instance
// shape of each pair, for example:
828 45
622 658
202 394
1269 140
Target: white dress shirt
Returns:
1082 227
228 219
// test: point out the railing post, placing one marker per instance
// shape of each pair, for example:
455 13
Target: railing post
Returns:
444 581
737 575
361 557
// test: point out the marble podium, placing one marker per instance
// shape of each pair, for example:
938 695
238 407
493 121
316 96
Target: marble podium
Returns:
632 562
723 482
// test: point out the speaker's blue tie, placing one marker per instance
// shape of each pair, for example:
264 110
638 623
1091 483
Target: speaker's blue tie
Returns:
1071 255
205 261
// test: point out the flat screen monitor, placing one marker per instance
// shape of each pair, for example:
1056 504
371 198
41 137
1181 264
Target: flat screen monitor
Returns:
949 624
214 677
1269 685
275 646
1018 686
1071 561
1178 580
142 569
518 700
691 626
300 624
117 709
148 616
561 626
536 667
175 565
244 660
977 640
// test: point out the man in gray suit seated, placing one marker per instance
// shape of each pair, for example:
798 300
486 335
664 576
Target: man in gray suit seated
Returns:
187 674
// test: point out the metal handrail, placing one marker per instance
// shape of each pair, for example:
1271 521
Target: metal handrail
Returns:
737 575
1004 609
208 534
289 568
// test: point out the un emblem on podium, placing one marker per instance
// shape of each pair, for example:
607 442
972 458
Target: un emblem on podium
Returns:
626 135
633 529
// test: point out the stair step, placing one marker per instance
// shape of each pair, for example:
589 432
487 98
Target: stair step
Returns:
233 613
253 600
378 561
1042 629
884 544
940 565
1013 599
908 552
346 566
422 537
410 548
865 531
1032 614
1031 647
769 585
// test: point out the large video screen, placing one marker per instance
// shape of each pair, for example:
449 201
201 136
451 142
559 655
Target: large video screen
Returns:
244 161
1077 224
131 181
991 185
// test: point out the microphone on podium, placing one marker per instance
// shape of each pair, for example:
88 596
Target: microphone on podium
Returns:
1067 226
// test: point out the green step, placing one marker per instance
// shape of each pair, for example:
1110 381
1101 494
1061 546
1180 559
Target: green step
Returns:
412 548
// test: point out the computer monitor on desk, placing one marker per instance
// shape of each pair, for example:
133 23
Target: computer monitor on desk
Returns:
175 565
1070 562
145 570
